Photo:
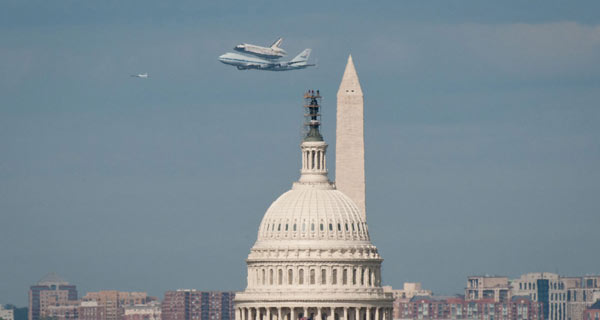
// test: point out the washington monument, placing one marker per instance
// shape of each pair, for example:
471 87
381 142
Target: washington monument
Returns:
350 138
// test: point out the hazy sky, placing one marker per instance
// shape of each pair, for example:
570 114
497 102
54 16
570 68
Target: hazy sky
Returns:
482 137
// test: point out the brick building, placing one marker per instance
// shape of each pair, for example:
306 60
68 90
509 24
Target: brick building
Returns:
149 311
91 310
189 304
51 291
111 303
457 308
593 312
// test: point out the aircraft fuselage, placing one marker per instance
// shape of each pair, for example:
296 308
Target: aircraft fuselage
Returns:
262 52
243 62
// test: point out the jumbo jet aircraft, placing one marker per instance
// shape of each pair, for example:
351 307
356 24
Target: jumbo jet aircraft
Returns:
140 75
244 62
272 53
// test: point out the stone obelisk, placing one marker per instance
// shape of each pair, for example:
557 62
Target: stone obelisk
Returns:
350 138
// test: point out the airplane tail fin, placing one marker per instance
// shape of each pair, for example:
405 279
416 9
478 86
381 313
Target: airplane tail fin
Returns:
277 43
302 57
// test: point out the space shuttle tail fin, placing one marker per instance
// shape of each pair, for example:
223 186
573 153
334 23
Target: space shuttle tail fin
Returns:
277 43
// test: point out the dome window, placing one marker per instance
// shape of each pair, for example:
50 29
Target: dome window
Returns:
339 227
303 227
290 276
279 227
345 274
346 226
330 227
323 276
312 227
294 228
334 276
286 227
301 276
321 227
280 277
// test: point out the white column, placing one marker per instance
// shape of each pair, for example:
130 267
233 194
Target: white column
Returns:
346 313
319 316
278 313
368 310
377 313
356 313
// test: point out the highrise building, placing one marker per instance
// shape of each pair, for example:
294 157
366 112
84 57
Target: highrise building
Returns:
313 257
190 304
113 301
409 290
91 310
148 311
561 298
6 314
457 308
349 143
488 287
53 291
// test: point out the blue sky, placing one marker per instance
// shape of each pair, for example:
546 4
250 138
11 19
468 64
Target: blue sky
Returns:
482 137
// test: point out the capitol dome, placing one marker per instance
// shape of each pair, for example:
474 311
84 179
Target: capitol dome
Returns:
308 213
313 258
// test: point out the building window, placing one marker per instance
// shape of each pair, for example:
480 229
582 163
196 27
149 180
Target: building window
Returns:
312 276
323 276
301 276
334 276
280 277
321 227
345 275
271 276
290 276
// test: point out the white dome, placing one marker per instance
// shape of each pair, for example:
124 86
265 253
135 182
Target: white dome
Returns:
312 213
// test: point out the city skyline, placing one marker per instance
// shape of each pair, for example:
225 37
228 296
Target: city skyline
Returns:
480 120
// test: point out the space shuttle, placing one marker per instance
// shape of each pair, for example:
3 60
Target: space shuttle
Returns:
272 53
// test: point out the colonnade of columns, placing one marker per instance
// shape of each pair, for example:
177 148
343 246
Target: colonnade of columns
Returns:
314 313
349 275
313 159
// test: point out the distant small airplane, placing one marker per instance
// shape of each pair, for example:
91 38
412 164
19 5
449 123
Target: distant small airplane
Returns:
140 75
244 62
272 53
